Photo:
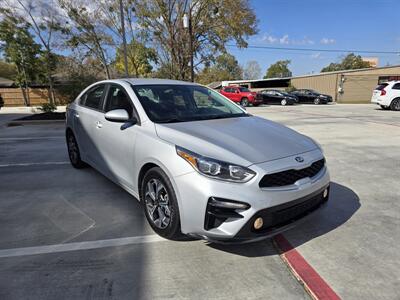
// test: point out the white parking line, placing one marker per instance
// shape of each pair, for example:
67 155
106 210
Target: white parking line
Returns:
35 164
31 138
81 246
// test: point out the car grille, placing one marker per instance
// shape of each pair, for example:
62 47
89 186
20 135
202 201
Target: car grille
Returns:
289 177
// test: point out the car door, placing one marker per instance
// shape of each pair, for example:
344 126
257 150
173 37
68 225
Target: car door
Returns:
85 118
301 95
237 96
310 96
227 93
116 141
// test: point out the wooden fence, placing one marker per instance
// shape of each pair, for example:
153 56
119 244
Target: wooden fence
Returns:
37 96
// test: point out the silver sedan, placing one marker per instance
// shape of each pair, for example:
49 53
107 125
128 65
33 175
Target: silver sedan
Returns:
200 164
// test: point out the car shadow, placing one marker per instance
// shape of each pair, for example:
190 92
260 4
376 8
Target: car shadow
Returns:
342 205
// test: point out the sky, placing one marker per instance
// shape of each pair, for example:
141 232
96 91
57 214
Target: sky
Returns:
371 25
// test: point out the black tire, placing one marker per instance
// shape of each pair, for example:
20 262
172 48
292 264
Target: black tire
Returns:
395 105
73 152
317 101
171 228
244 102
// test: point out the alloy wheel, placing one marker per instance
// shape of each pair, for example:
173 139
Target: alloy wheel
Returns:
157 203
396 104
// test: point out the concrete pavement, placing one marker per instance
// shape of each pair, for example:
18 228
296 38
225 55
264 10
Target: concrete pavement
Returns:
351 243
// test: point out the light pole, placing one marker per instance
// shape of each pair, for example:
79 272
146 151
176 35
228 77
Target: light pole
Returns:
187 23
121 8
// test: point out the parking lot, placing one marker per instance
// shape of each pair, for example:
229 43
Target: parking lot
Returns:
100 246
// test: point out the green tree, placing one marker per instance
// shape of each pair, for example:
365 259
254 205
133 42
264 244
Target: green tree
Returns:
140 59
76 73
214 23
279 69
19 48
226 67
349 62
45 22
7 70
86 31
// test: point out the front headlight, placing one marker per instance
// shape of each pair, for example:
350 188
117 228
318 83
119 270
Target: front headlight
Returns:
214 168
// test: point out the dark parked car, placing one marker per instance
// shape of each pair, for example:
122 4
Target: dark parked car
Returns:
311 96
275 96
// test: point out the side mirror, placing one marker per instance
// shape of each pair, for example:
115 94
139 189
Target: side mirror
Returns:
117 115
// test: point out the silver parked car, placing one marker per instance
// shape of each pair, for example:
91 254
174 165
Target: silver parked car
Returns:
200 164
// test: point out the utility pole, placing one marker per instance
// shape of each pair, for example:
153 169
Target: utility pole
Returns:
121 8
187 23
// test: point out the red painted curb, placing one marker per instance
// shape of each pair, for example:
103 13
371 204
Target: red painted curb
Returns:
304 272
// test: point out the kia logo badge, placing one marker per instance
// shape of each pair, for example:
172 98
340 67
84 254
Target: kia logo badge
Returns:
299 159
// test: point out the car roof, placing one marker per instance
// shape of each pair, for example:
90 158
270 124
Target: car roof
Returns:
150 81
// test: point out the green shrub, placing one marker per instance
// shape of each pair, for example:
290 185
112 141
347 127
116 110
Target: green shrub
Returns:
48 107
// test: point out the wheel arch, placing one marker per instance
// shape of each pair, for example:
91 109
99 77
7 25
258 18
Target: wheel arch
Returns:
151 163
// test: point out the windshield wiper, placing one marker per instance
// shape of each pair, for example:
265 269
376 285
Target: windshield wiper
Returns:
171 120
226 116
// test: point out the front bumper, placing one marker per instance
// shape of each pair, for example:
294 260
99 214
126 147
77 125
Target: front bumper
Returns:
194 192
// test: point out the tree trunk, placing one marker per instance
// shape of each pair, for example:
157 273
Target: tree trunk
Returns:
24 96
51 90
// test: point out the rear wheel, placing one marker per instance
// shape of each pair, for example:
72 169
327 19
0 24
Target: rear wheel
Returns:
317 101
160 204
73 152
395 105
283 102
244 102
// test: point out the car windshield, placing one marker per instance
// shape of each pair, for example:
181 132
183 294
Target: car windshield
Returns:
183 103
243 89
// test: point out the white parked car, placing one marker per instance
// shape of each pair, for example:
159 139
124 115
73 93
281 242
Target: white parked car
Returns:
200 164
387 95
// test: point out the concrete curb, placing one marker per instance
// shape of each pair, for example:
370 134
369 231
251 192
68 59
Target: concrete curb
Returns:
312 282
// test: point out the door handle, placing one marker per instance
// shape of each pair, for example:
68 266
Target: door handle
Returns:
99 124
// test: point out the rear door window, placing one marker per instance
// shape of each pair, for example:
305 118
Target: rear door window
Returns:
396 86
93 98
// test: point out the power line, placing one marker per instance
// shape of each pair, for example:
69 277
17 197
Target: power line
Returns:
317 50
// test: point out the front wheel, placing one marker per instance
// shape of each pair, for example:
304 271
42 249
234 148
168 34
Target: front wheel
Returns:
395 105
160 204
244 102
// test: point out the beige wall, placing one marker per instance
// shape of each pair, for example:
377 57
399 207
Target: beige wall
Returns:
357 86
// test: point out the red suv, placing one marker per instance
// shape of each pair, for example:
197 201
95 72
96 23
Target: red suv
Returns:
241 95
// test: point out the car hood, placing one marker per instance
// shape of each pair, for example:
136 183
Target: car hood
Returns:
244 140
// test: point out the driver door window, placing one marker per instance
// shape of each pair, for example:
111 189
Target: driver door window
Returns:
118 99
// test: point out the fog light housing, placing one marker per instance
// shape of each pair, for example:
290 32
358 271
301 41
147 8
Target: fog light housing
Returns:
258 223
325 194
